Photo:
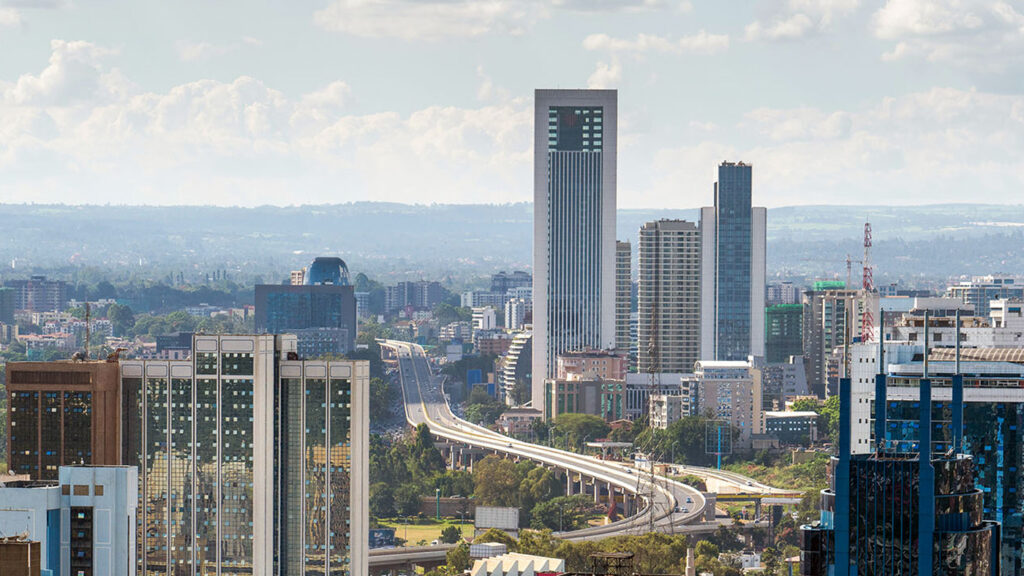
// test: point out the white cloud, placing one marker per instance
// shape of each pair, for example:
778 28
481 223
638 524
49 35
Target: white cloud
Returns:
800 18
939 145
440 19
980 34
606 75
189 51
79 131
9 18
700 43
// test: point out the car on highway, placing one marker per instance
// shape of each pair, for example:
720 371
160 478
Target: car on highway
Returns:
689 500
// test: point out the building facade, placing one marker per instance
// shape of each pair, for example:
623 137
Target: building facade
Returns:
783 332
248 460
100 504
981 290
729 391
575 135
831 319
37 294
668 296
322 312
732 268
62 413
665 410
623 296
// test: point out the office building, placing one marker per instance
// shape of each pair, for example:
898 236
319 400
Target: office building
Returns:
515 314
37 294
732 268
322 312
981 290
782 382
503 282
904 509
792 428
62 413
574 171
249 459
100 505
729 391
783 332
8 304
640 388
603 398
993 420
418 295
32 508
623 297
84 522
668 296
831 318
484 318
782 293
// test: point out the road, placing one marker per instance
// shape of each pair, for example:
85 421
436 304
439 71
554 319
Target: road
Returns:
425 403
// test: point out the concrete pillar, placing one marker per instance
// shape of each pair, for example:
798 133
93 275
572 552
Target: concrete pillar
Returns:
597 492
568 483
611 494
583 484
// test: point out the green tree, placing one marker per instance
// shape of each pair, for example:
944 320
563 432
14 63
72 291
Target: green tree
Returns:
562 513
830 414
451 535
495 535
577 427
495 482
538 543
382 500
771 560
407 500
458 558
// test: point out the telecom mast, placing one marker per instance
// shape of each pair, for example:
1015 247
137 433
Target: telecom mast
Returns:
867 321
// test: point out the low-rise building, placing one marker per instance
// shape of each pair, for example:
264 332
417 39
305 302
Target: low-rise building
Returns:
792 428
666 409
604 398
518 421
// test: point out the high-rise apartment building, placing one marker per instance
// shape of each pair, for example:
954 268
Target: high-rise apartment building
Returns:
8 304
321 312
419 295
37 294
732 268
831 319
250 462
574 226
62 413
623 296
668 297
727 390
503 281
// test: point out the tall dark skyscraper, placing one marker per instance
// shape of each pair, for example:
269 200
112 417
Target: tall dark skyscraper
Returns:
574 226
732 268
321 312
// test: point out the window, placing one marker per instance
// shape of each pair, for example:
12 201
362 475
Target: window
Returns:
81 490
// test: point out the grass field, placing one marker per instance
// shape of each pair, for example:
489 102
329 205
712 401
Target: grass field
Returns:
427 531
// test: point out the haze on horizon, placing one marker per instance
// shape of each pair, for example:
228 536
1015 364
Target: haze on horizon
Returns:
430 101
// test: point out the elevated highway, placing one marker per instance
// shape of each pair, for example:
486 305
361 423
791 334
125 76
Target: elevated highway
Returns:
661 504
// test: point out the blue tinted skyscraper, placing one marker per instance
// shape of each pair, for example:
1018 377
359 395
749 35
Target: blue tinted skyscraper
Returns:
732 269
574 226
321 312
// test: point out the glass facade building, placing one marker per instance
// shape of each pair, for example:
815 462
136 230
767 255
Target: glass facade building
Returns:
214 437
783 332
323 316
574 226
732 268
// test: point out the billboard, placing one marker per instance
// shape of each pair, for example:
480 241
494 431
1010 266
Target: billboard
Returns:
495 517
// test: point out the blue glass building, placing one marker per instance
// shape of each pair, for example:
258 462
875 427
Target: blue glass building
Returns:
321 312
732 269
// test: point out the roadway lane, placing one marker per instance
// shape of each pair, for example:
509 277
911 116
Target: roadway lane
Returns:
425 404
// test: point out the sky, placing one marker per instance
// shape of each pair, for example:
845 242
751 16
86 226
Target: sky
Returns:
430 101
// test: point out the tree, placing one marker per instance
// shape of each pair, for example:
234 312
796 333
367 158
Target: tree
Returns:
771 560
458 559
577 427
538 543
806 405
562 513
382 500
495 535
451 535
407 500
121 317
495 482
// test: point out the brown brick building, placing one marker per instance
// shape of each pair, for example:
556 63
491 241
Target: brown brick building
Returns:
62 413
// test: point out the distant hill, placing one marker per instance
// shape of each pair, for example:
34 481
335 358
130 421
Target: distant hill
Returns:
466 242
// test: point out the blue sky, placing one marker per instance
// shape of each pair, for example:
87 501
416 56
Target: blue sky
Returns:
324 101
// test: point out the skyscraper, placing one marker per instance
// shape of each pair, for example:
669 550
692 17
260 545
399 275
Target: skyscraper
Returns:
574 226
249 463
732 268
321 312
623 297
783 332
62 413
669 297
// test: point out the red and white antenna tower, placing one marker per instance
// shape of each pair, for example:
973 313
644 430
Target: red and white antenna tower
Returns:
867 321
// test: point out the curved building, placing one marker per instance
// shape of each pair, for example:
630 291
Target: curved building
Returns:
327 270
